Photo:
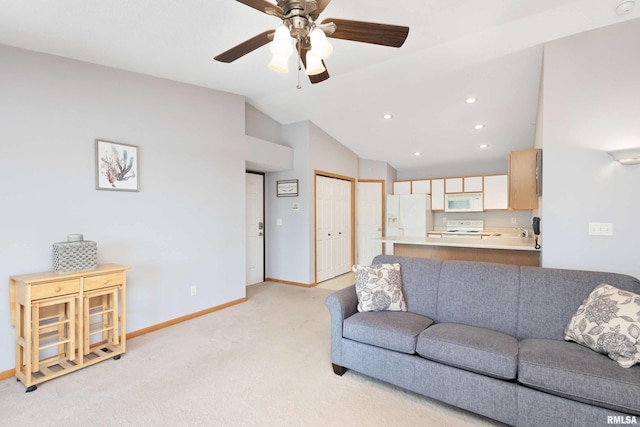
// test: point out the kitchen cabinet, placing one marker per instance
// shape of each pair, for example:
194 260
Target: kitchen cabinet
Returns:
402 187
472 184
422 186
67 321
437 194
453 185
496 192
523 174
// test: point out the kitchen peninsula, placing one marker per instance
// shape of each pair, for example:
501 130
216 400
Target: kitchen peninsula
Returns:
489 248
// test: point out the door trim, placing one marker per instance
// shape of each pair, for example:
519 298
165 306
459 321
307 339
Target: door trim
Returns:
317 173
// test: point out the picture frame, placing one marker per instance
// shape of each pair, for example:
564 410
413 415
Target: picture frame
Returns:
287 188
117 166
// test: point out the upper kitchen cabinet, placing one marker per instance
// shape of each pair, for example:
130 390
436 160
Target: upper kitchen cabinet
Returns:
437 194
422 186
453 185
496 192
402 187
523 179
472 184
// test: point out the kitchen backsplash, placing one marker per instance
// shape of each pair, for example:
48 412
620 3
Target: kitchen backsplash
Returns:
492 219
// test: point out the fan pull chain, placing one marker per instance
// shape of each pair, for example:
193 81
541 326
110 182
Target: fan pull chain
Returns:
299 62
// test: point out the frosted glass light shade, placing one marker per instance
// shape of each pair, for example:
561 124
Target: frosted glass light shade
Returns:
319 44
314 65
281 44
280 64
630 156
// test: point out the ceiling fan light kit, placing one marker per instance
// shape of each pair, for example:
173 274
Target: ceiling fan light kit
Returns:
279 64
314 65
320 47
281 44
299 21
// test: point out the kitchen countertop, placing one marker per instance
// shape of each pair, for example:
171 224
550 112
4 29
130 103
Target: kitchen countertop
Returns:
491 242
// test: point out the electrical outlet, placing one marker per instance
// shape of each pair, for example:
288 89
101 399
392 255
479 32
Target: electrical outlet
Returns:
514 220
194 291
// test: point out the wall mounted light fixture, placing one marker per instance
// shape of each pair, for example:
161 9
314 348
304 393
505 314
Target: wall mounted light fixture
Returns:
629 156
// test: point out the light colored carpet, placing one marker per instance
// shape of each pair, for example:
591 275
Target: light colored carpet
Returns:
261 363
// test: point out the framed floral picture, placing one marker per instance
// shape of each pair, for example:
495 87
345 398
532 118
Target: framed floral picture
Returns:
116 166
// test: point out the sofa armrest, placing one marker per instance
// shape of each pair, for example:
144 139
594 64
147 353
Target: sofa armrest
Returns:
341 304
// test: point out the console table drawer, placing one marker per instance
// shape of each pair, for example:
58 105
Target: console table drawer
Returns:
54 289
104 281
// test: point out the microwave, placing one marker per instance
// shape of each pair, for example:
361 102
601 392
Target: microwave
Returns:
463 202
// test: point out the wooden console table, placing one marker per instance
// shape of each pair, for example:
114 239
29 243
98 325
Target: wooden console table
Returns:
66 321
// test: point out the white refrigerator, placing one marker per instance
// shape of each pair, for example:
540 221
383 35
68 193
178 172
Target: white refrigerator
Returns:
408 215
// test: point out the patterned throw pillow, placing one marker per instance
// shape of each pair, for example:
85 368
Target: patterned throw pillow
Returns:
608 321
379 287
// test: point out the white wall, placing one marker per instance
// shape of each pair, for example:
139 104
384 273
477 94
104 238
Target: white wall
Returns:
183 228
480 167
291 246
373 169
288 244
591 90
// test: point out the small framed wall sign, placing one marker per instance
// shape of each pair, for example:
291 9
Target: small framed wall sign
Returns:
116 166
287 188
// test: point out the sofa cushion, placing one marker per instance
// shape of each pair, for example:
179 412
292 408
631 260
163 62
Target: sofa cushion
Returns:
479 294
549 297
393 330
575 372
379 287
472 348
608 321
420 279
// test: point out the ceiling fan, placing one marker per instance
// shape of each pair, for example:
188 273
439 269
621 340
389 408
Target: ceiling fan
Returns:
299 21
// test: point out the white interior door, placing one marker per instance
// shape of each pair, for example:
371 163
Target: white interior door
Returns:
255 228
324 229
342 226
369 224
333 227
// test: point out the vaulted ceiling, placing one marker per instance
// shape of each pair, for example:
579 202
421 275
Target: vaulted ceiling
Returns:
490 49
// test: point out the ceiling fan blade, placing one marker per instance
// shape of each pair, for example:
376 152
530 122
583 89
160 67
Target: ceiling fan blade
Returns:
322 5
317 78
261 5
245 47
369 32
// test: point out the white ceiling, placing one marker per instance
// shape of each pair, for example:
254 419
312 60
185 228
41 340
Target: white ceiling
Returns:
491 49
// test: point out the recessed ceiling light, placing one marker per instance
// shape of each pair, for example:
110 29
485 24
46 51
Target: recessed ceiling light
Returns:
387 116
624 7
417 153
484 146
479 126
471 100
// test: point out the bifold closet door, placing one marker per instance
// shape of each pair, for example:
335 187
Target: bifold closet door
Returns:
333 227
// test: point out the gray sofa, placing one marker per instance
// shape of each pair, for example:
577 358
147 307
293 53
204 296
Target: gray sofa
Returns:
488 338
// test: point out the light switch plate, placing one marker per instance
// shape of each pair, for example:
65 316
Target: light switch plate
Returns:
600 229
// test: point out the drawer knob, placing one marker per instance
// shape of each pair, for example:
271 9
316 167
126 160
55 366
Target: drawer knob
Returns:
57 289
105 281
